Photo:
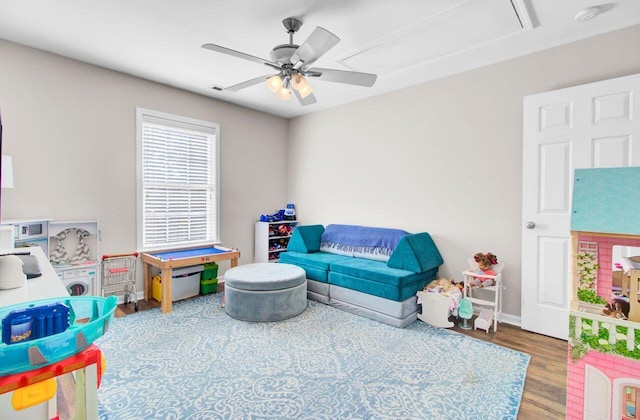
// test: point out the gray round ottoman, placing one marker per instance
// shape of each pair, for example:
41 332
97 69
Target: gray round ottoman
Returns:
265 292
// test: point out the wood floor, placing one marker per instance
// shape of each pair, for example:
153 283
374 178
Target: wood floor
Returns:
545 386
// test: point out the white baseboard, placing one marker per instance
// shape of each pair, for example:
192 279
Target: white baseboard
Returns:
511 319
506 318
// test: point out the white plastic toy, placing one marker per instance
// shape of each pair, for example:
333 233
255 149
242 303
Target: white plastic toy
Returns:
484 320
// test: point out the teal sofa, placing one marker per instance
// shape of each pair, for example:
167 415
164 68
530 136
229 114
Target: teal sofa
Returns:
370 271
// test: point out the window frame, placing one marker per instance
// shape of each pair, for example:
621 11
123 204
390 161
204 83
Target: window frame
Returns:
210 128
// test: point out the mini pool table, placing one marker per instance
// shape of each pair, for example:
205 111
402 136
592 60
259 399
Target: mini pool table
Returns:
166 261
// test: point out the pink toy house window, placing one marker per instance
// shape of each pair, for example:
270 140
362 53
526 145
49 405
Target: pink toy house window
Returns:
630 402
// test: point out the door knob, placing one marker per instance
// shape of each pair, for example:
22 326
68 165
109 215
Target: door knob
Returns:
530 225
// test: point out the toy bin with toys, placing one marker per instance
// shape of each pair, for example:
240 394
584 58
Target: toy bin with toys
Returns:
439 300
185 283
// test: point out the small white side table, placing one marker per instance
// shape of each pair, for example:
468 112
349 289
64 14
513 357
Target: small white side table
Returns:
495 304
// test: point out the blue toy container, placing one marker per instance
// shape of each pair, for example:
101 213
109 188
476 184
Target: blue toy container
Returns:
42 332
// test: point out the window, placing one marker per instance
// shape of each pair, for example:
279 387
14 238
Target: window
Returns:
178 179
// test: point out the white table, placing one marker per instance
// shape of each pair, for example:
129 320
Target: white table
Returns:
48 285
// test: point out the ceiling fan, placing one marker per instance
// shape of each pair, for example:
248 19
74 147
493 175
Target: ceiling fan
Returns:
293 62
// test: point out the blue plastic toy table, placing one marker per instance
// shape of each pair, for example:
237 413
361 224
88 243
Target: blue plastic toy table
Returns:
166 261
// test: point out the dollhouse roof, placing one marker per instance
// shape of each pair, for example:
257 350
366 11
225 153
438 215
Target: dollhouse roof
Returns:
606 200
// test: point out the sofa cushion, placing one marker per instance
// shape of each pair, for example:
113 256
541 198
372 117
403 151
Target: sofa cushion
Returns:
396 309
361 241
416 253
376 271
383 290
316 265
306 239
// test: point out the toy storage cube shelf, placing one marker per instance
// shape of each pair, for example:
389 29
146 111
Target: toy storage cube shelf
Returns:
272 239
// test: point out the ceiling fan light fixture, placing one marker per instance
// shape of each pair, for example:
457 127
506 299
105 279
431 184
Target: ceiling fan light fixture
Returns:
274 83
284 93
292 63
286 83
305 91
298 81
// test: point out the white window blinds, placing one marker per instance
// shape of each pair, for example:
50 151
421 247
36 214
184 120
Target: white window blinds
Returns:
178 167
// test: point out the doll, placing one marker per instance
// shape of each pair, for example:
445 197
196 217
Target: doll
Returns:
432 287
485 263
442 285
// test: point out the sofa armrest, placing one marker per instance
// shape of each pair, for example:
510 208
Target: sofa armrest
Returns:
306 239
416 253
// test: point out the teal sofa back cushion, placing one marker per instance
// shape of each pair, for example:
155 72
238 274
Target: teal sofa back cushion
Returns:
416 253
306 239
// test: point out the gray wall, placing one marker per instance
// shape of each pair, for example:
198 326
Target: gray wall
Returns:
70 128
443 157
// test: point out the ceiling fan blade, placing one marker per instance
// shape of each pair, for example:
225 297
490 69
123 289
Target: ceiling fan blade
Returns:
238 54
342 76
319 42
308 100
247 84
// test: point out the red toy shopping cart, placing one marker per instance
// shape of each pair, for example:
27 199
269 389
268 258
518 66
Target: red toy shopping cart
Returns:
119 276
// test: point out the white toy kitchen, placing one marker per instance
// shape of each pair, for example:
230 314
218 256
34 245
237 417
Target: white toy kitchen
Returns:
70 246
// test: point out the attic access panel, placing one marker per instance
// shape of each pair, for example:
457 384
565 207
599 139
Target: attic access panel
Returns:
463 27
606 200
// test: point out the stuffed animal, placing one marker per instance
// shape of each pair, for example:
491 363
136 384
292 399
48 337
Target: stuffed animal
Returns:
614 309
485 263
617 308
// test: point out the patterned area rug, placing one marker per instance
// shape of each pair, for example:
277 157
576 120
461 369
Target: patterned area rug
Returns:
198 363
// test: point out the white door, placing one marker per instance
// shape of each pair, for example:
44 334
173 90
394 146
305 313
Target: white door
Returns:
590 126
597 394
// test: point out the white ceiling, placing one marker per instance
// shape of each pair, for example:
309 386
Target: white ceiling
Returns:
404 42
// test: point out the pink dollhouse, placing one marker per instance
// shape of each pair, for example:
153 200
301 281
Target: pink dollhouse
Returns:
603 371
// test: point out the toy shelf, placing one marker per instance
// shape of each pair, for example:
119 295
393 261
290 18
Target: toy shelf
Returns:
269 243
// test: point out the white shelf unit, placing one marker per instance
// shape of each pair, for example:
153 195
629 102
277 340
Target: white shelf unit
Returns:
83 277
270 242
